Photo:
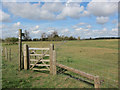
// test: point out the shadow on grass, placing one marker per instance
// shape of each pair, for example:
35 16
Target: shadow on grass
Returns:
46 72
62 71
79 79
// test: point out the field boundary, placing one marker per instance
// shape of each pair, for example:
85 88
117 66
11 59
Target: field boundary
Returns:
25 63
53 64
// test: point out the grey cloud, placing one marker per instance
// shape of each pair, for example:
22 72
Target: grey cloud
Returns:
4 17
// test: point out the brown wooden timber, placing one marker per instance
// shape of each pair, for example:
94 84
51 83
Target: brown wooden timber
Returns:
2 51
45 63
20 48
40 64
96 82
54 63
38 48
26 57
91 77
6 55
40 69
51 57
39 55
39 60
10 54
45 60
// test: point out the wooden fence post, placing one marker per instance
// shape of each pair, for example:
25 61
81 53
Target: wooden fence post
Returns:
10 54
96 82
26 57
20 48
51 57
22 60
54 62
35 52
2 52
6 53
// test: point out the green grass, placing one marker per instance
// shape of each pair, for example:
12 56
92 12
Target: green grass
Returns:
96 57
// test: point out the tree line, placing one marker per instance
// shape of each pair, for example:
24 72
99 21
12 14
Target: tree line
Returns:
54 37
44 37
49 37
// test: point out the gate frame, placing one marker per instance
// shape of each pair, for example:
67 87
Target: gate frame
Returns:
52 57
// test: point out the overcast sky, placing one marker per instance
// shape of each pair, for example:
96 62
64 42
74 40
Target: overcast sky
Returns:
84 19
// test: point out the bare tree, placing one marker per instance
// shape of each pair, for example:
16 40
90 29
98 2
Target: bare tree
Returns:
43 36
26 35
54 34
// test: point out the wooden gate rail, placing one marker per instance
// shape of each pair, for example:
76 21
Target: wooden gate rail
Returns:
39 55
45 60
89 76
40 65
38 60
38 48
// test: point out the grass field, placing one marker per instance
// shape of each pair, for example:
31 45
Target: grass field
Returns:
96 57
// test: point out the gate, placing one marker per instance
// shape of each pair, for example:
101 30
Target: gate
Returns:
40 59
45 59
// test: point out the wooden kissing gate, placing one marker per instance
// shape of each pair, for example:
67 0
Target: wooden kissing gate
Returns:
42 64
43 59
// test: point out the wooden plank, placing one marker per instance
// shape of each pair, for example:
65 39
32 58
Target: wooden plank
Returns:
39 55
39 59
38 48
45 60
45 64
33 60
6 55
2 52
40 69
10 54
40 64
26 57
91 77
51 58
20 49
96 82
54 63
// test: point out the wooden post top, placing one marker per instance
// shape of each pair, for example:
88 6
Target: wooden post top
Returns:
52 46
20 33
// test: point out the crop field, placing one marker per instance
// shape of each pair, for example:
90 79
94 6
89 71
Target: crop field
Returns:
96 57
